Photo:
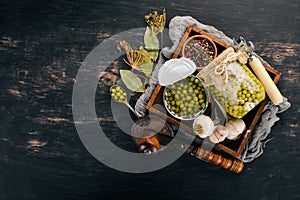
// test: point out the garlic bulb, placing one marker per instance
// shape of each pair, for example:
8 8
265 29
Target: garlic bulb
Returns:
203 126
219 134
235 127
175 70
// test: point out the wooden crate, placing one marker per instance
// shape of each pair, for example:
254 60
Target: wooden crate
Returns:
231 147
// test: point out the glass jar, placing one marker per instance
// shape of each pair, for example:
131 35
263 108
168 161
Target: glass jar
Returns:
235 87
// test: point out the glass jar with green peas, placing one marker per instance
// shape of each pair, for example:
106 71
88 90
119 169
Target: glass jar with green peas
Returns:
242 92
187 98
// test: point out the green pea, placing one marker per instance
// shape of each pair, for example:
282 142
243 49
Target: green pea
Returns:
258 95
200 96
187 99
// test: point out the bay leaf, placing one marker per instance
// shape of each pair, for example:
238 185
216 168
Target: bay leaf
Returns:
132 81
147 69
150 40
152 55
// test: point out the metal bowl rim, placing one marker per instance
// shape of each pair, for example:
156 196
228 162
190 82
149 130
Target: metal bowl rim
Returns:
184 117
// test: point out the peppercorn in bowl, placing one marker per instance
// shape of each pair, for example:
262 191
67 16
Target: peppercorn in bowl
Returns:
201 49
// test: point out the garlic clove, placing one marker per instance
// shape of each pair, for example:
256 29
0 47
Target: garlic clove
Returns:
203 126
219 134
175 70
235 127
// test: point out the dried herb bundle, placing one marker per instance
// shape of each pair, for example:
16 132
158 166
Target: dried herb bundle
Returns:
156 22
142 59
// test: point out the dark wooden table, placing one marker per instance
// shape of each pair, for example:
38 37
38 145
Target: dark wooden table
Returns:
42 45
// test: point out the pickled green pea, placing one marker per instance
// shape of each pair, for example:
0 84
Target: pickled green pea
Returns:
258 95
118 94
185 101
249 92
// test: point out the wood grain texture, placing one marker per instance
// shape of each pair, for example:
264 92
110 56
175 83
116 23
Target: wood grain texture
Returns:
43 44
228 162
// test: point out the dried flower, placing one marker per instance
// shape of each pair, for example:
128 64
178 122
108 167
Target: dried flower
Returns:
123 44
156 22
135 58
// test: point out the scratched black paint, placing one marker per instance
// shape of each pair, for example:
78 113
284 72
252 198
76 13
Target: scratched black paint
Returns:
42 46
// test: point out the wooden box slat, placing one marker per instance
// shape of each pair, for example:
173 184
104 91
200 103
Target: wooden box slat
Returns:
231 147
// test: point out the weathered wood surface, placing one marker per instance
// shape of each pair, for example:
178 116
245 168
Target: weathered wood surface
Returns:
42 45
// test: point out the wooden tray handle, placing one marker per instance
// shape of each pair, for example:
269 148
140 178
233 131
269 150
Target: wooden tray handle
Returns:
230 163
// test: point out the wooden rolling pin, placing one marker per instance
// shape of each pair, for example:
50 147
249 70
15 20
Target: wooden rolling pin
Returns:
230 163
263 76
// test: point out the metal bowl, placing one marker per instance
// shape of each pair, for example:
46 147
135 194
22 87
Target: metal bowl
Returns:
194 114
205 56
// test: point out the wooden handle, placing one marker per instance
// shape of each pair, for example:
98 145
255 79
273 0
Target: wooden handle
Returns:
230 163
263 76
